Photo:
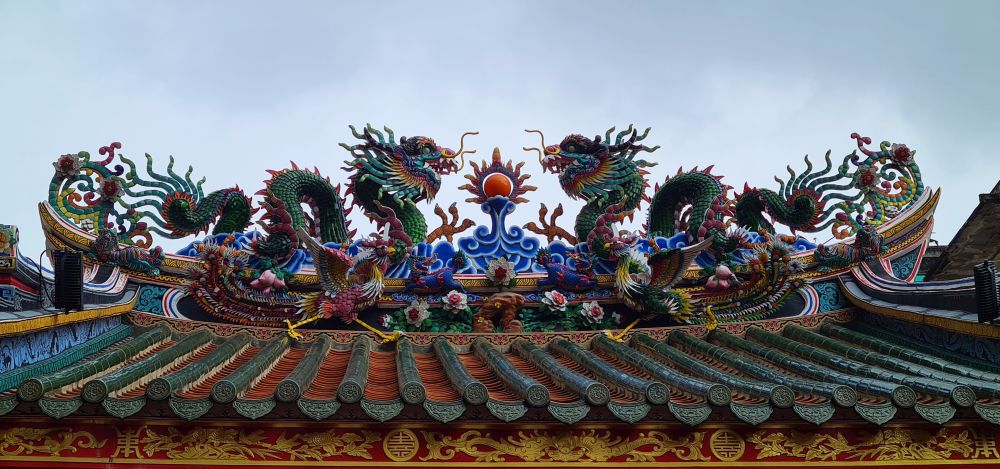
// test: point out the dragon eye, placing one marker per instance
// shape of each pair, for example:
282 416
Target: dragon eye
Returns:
425 150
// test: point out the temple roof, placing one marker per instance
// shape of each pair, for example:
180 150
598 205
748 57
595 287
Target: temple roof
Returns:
848 365
734 321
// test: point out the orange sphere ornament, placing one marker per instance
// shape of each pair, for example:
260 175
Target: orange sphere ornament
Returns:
498 184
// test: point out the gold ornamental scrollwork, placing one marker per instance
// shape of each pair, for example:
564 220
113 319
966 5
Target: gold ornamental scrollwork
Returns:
883 445
49 441
565 446
231 444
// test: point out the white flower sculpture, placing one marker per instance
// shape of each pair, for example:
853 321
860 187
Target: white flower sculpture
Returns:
455 302
554 300
417 312
500 272
592 312
68 165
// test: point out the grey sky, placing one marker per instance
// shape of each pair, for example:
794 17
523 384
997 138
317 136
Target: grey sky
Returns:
235 88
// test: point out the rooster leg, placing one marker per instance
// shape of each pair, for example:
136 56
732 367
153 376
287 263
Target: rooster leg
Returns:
619 336
386 338
291 327
712 321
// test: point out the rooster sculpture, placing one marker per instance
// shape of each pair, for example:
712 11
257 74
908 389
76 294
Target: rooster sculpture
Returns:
352 283
644 282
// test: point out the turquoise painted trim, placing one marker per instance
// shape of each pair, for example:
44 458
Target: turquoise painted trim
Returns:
14 378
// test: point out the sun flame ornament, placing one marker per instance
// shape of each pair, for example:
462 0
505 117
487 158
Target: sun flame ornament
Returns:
497 179
498 187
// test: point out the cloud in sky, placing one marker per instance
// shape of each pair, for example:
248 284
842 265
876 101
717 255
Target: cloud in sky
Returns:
235 88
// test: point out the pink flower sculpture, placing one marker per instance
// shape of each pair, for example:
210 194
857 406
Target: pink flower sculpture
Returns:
267 282
723 279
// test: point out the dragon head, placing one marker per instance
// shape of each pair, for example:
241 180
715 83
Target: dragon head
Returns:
411 168
571 149
580 160
459 261
543 257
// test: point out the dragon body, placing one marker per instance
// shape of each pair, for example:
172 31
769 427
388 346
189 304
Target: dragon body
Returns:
295 187
105 248
184 214
281 241
425 281
564 277
92 194
695 202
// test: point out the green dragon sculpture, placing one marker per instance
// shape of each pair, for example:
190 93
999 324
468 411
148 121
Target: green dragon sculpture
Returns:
859 195
104 195
91 194
398 175
599 172
608 175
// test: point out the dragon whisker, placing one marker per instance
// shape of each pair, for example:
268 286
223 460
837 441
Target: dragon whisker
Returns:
461 151
539 150
539 132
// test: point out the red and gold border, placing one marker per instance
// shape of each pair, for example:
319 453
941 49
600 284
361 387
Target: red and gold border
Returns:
97 443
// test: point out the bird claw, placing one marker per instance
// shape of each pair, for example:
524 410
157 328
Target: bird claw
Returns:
615 337
292 333
620 337
389 338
